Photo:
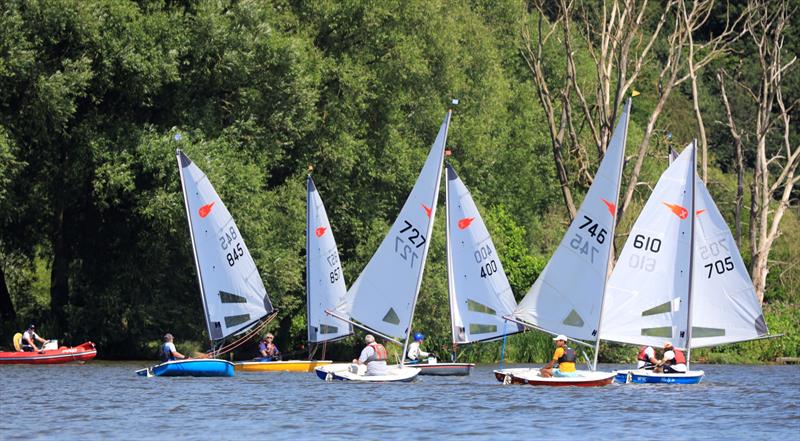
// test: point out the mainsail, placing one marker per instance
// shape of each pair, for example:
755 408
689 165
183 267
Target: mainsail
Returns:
233 293
568 295
384 295
647 300
324 277
480 295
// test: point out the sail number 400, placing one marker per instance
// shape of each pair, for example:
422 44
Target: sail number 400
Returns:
482 255
414 238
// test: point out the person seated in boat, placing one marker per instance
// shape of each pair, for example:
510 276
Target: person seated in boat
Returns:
647 358
373 356
168 351
564 356
415 354
29 338
267 349
674 362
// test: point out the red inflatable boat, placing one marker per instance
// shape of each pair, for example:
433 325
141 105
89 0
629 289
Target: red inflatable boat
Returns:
80 353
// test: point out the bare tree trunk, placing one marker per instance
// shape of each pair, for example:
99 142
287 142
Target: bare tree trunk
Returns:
737 138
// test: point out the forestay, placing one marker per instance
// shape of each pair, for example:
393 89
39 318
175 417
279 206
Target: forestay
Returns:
233 293
647 296
567 297
480 295
383 296
324 277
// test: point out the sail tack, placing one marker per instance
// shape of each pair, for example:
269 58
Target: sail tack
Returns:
325 279
568 295
383 296
233 293
480 295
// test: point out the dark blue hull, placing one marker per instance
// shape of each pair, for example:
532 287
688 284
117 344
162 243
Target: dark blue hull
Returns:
649 377
190 368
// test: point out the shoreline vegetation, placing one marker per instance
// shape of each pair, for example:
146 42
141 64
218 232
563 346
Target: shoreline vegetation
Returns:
96 96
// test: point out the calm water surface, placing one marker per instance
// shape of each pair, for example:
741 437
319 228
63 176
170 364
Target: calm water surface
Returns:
106 400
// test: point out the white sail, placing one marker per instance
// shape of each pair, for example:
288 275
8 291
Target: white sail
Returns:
233 293
384 295
647 295
480 295
324 277
567 297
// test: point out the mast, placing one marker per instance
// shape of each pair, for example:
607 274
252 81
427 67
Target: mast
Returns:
613 229
430 229
691 258
308 254
450 282
180 157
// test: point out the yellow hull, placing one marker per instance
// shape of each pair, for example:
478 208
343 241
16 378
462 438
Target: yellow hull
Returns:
280 366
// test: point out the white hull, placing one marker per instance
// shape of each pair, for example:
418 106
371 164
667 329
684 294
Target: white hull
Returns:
342 372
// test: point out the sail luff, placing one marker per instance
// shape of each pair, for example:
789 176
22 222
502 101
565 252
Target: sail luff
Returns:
451 290
430 229
179 155
624 119
308 257
693 215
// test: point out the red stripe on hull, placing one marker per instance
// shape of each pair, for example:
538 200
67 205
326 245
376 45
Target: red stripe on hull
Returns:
82 353
516 380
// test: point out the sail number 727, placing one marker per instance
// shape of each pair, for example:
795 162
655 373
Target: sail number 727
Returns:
403 243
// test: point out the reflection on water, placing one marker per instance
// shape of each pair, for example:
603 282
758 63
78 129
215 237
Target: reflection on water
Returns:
105 400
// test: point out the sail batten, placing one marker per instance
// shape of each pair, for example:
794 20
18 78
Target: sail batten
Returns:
233 294
384 295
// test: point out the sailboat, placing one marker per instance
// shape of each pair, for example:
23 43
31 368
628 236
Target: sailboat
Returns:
325 288
383 298
567 298
479 292
680 277
235 301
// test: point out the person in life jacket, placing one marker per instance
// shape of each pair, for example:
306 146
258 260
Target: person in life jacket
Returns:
373 356
415 354
168 351
564 356
29 338
647 358
674 362
267 349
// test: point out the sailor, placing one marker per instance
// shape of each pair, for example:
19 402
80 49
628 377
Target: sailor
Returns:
373 356
29 337
267 349
168 351
674 362
647 358
564 356
415 354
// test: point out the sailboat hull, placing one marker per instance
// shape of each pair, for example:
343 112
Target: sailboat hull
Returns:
443 369
190 368
280 366
530 376
342 372
641 376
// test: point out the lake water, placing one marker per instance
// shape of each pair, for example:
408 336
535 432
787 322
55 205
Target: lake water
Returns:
106 400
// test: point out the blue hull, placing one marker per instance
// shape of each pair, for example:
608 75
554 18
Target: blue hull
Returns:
190 368
653 378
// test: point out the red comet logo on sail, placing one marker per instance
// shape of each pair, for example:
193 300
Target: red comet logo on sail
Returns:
464 223
320 231
612 207
205 210
678 210
427 210
699 212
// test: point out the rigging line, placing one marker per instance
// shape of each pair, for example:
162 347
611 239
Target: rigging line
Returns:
331 313
247 336
528 325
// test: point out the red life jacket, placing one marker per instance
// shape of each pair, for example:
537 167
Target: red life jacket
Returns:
642 356
679 357
380 352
